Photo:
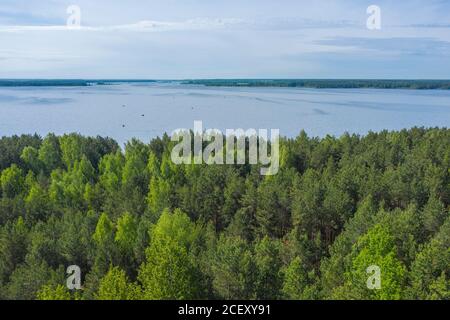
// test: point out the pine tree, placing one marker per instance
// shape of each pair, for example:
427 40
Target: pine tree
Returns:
233 269
295 280
268 266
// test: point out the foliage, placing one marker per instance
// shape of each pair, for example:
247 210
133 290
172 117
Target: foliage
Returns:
141 227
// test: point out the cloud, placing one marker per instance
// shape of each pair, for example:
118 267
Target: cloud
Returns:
295 23
430 25
234 38
398 45
141 26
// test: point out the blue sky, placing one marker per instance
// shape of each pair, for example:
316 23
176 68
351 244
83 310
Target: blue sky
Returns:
180 39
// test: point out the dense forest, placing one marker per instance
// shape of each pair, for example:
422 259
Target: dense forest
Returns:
299 83
327 83
63 82
140 227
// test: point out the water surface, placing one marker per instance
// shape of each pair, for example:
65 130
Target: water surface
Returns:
146 110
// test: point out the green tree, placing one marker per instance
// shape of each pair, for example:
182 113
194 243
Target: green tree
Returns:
50 292
268 266
434 215
126 232
376 248
72 149
50 153
125 239
28 278
336 207
115 285
233 269
430 274
30 156
295 280
12 181
37 203
170 271
273 214
244 223
14 240
334 267
104 240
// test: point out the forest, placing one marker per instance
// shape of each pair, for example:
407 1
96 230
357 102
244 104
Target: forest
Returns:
291 83
327 83
142 228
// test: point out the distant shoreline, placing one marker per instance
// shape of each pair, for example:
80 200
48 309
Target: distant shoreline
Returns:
284 83
328 83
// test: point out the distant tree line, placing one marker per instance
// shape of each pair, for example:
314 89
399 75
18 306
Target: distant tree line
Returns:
63 82
140 227
327 83
300 83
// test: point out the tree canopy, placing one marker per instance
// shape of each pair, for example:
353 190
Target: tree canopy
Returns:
339 210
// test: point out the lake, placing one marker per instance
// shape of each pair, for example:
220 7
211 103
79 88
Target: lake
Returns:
146 110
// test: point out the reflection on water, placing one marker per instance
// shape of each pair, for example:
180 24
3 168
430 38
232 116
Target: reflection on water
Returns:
144 111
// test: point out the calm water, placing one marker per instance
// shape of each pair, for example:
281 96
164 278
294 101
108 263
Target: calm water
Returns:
144 111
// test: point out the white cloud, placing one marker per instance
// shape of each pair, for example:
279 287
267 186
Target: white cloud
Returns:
141 26
260 38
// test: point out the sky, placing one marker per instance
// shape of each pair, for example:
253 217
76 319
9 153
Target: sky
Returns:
193 39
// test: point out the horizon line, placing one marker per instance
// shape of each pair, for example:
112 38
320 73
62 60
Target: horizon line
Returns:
225 78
